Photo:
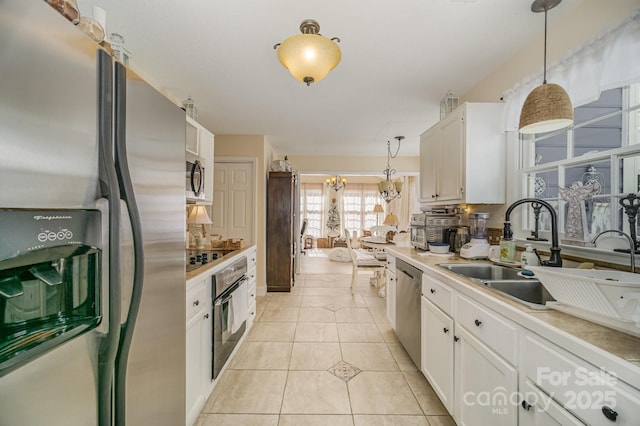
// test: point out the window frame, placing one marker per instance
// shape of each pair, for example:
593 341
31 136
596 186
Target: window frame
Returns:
630 147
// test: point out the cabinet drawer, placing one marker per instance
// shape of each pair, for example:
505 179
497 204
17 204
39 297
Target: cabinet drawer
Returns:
251 259
391 263
591 394
251 274
540 410
251 292
197 296
492 329
439 294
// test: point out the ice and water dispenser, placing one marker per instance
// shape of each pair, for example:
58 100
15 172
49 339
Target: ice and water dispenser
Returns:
50 274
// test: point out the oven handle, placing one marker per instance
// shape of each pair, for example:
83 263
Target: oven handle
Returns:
229 293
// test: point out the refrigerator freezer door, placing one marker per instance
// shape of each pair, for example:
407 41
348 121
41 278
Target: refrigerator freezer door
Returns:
48 159
155 138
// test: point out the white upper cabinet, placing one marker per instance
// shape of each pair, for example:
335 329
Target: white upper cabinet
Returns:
462 157
200 144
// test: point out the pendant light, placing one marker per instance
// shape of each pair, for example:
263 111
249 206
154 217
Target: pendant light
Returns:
309 56
388 189
548 106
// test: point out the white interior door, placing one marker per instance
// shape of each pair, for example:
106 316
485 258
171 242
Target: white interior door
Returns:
233 200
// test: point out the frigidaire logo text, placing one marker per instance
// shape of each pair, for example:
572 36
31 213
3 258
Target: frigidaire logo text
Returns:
52 217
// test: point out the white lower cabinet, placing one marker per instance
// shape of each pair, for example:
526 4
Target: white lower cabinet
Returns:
576 388
468 356
251 287
199 334
391 298
437 351
198 347
390 273
485 384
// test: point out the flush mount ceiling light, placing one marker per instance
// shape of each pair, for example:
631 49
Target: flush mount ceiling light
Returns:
390 190
309 56
548 106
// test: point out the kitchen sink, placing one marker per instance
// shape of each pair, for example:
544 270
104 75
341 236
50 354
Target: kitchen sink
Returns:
483 271
506 281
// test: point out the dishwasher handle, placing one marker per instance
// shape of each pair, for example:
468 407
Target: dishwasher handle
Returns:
408 274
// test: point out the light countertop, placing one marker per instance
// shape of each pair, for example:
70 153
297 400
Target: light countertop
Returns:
615 350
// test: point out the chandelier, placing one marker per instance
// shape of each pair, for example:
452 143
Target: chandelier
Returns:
388 189
309 56
336 182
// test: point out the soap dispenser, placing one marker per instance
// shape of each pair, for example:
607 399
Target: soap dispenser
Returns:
528 257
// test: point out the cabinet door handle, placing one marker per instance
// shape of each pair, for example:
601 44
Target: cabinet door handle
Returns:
206 316
456 338
433 290
196 302
433 195
446 330
526 405
609 413
477 323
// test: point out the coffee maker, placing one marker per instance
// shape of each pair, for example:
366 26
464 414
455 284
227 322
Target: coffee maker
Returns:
478 247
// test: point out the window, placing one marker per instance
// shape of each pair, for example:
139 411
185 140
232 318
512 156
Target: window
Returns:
359 201
601 150
311 208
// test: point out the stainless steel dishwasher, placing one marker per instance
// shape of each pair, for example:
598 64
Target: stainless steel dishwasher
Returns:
408 290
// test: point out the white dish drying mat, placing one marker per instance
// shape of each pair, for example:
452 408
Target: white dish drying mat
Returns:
607 293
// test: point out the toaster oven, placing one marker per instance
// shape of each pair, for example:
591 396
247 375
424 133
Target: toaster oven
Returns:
429 226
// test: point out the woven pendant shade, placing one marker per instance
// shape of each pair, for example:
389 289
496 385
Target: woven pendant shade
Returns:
547 108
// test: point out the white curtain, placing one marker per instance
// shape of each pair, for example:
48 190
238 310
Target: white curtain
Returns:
611 59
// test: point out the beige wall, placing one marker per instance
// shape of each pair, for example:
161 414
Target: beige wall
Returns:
354 165
564 35
253 146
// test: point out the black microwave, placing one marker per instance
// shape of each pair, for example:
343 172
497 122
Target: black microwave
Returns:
195 180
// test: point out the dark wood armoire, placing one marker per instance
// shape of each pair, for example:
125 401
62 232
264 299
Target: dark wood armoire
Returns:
282 230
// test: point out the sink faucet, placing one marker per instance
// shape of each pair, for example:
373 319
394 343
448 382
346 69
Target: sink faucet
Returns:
632 245
554 258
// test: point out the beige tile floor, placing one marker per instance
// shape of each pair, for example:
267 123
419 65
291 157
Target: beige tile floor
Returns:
282 373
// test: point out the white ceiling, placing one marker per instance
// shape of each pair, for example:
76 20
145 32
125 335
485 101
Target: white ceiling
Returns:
399 58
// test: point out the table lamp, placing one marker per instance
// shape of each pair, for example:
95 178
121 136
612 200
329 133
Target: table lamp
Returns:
391 220
198 216
377 209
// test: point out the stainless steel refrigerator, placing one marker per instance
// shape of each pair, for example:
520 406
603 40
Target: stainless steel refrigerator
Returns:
74 127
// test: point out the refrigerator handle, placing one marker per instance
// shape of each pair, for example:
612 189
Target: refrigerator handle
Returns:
126 194
109 189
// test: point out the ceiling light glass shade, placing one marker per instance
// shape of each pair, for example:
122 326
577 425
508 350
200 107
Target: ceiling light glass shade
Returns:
547 108
309 57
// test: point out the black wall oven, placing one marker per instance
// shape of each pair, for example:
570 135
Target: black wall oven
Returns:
229 293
